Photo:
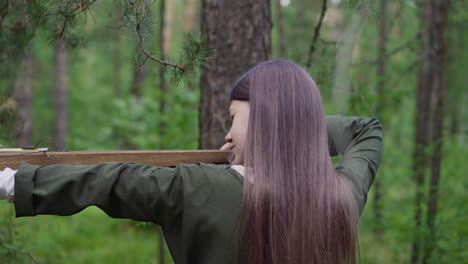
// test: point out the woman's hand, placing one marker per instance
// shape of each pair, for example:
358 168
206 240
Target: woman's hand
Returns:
227 146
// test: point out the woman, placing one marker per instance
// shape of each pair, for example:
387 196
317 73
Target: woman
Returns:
279 201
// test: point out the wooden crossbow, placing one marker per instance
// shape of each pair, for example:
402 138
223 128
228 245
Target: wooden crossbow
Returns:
41 156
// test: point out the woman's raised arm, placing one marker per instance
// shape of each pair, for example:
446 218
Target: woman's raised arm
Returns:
359 141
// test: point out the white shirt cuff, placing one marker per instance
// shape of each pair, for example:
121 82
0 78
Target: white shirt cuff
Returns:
7 184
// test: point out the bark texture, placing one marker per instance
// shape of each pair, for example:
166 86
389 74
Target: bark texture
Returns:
239 34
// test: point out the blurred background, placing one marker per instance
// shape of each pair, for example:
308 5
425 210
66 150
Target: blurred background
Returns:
136 74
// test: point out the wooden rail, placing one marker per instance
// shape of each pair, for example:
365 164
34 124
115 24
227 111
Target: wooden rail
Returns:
152 157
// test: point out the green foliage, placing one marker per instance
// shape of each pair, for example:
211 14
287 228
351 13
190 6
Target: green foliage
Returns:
101 117
10 239
20 20
89 237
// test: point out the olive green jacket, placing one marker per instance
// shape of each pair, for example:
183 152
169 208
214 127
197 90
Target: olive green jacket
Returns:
197 205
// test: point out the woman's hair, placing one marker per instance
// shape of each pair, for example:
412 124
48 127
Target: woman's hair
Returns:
297 210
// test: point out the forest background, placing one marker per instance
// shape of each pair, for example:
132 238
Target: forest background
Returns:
87 79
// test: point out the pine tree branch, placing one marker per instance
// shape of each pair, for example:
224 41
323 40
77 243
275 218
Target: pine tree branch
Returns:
71 14
82 8
138 28
165 63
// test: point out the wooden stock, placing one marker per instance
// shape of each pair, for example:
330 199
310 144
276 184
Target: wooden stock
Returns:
152 157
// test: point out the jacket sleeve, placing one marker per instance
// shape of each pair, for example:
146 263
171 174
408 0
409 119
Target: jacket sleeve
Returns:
122 190
359 141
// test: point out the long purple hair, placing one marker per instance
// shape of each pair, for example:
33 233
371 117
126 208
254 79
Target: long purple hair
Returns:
298 209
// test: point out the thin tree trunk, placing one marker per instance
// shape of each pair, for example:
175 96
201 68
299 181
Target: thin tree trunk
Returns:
190 13
139 75
162 105
439 10
421 133
345 51
61 95
140 72
161 246
279 21
397 26
429 122
190 21
117 56
394 17
380 109
454 124
239 33
455 76
162 72
299 27
23 97
168 25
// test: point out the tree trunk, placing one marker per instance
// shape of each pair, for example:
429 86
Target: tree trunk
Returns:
162 258
162 106
421 132
190 20
429 122
117 55
239 34
454 128
281 37
139 75
380 108
304 13
439 12
162 73
61 95
454 96
23 98
168 25
345 51
190 15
